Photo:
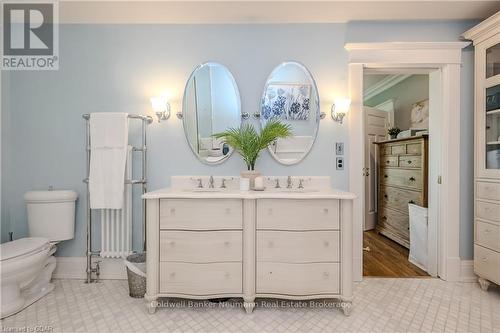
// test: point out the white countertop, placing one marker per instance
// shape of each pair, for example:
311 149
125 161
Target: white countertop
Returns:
170 193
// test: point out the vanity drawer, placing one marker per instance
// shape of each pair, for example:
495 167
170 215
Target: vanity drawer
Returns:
409 161
298 246
296 214
488 235
389 161
401 177
399 199
487 263
488 211
201 214
200 246
200 279
298 279
488 191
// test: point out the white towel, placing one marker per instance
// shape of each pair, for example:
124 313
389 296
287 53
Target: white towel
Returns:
108 156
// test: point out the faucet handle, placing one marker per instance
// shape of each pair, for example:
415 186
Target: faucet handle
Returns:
224 180
277 180
301 183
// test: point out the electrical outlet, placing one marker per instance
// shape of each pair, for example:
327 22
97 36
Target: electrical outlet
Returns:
339 148
340 163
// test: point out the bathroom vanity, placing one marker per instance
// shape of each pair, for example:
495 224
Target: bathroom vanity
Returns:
205 243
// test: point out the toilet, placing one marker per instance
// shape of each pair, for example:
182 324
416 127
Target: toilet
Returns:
27 264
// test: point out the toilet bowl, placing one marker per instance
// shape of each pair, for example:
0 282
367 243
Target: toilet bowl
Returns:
27 264
26 269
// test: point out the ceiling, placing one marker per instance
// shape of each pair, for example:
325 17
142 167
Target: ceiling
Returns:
262 11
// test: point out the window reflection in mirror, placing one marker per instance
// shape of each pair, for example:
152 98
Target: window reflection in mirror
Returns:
211 105
290 96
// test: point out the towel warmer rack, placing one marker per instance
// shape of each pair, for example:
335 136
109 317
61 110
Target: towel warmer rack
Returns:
146 120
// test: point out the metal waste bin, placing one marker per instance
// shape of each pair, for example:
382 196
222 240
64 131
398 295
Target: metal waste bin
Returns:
136 274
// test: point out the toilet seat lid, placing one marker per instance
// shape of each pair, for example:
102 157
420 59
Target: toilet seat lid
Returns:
22 246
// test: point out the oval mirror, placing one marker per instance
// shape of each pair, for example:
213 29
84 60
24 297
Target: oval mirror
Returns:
211 104
291 96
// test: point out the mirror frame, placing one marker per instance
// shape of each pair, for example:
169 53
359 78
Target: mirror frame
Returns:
318 111
238 96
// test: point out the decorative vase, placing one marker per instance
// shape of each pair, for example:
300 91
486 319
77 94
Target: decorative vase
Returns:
250 174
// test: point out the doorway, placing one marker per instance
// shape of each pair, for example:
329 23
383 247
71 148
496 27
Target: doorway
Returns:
443 60
395 234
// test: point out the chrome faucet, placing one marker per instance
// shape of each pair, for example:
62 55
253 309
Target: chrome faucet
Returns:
211 182
223 183
277 180
289 182
301 183
200 183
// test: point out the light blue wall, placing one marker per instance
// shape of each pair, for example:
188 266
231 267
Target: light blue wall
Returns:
118 67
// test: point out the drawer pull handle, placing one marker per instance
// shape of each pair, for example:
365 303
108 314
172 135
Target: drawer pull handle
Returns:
172 275
172 211
327 243
388 162
385 196
172 243
270 211
487 231
270 244
409 161
385 176
325 210
485 259
228 210
326 274
384 217
412 179
226 243
227 275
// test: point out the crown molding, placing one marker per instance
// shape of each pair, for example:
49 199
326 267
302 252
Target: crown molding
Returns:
384 84
484 30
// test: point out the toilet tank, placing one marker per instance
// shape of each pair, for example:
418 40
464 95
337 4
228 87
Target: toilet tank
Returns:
51 214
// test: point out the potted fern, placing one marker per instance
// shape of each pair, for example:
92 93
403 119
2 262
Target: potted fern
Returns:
393 132
248 143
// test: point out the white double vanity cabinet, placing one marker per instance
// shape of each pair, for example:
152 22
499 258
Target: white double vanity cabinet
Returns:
225 243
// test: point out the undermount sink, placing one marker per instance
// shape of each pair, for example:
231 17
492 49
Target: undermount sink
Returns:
205 190
292 190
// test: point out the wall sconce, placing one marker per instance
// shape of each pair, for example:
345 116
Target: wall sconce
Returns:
161 107
340 109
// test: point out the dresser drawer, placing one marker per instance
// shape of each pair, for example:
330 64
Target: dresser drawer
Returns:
298 246
397 220
292 214
487 263
201 214
401 177
389 161
398 149
298 279
488 191
414 148
200 246
200 279
399 199
488 211
410 161
488 235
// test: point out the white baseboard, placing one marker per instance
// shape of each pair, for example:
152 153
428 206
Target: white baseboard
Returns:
467 271
75 267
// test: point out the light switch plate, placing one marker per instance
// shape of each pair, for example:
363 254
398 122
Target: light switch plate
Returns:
340 163
339 148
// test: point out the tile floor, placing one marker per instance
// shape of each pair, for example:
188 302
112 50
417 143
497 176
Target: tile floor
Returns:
380 305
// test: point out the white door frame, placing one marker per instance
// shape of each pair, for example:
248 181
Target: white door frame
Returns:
445 56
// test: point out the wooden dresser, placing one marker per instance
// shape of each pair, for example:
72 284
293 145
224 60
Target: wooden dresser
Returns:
402 179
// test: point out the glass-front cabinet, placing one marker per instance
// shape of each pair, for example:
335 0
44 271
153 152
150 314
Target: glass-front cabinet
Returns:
488 108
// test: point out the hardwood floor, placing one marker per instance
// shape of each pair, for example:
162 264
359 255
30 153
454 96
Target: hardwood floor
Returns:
387 258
